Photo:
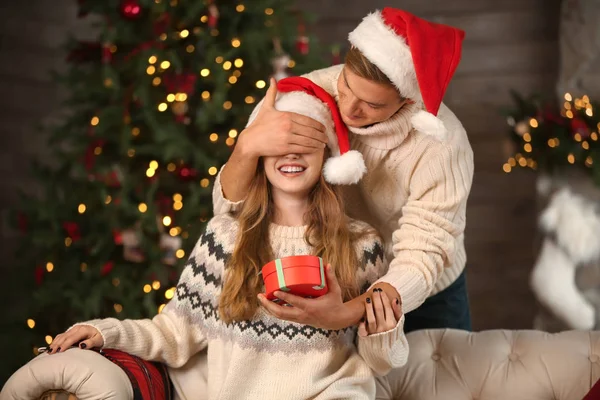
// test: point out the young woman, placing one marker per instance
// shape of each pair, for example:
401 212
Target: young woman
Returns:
418 158
290 209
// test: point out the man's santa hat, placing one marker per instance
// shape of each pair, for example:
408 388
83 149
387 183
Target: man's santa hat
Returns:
418 56
302 96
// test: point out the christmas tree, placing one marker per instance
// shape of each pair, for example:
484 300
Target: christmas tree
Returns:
154 109
552 138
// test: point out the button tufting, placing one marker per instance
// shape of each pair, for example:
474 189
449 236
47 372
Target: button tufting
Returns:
513 357
435 357
593 358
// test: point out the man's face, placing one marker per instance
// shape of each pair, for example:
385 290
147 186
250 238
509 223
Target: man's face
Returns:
363 102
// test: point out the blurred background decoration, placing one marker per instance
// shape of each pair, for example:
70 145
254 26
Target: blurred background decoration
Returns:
558 137
150 95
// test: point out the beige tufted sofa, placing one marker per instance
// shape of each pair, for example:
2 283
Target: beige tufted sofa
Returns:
443 365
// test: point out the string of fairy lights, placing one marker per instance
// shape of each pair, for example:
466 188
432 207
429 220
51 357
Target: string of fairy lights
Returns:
154 70
525 129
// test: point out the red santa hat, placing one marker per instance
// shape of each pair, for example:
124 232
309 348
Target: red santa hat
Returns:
418 56
302 96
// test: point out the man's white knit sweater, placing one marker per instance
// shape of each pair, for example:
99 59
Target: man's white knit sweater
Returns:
414 193
263 358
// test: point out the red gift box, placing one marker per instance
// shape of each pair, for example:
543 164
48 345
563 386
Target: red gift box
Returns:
299 275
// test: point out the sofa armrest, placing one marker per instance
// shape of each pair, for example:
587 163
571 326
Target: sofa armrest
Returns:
84 373
497 364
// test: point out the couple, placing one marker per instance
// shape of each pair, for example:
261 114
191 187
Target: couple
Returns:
281 194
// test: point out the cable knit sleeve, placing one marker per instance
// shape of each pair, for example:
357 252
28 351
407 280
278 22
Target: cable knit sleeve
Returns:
386 350
176 334
432 220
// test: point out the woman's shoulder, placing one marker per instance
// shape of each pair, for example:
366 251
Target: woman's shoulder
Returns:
221 230
368 245
366 234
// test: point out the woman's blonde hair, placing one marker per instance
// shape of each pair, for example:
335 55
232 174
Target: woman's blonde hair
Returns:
327 233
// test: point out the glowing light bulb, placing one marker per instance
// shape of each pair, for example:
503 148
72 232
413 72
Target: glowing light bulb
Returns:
184 33
49 267
81 208
166 221
95 121
31 323
147 288
143 207
165 64
261 84
156 285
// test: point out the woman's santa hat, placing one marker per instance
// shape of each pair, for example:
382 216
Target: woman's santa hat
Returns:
418 56
302 96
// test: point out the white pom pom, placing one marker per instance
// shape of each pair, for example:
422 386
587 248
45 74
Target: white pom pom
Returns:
346 169
429 124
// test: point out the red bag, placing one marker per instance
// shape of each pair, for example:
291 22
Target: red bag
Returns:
150 380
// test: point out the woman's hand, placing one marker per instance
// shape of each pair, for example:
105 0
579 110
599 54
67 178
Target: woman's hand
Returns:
327 312
382 314
87 336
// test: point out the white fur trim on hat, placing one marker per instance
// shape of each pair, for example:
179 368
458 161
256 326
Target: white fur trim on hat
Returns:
429 124
346 169
389 52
